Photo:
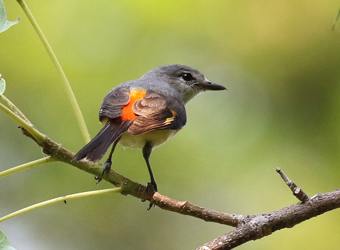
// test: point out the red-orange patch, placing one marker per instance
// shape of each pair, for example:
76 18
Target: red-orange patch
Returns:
135 95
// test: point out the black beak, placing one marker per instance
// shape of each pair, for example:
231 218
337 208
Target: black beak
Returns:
211 86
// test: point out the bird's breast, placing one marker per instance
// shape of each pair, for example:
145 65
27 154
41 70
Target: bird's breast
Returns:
157 138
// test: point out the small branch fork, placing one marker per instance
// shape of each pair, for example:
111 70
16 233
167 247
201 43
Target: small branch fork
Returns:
248 227
256 227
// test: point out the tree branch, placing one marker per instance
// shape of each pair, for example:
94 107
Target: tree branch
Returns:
135 189
186 208
258 226
248 227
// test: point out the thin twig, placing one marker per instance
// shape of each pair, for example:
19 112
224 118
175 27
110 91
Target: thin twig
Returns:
59 199
336 20
26 166
38 137
14 108
298 192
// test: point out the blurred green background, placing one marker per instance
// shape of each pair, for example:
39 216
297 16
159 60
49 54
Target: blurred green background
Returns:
280 62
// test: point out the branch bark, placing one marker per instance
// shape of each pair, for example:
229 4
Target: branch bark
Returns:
248 227
135 189
265 224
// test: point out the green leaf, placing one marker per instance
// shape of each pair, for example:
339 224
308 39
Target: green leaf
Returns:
4 24
2 85
4 243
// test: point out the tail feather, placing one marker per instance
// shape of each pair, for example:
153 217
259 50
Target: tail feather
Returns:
98 146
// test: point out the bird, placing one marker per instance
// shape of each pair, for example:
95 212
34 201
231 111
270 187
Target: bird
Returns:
145 113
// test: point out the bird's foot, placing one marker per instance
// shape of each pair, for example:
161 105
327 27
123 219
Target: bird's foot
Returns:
98 179
107 167
151 188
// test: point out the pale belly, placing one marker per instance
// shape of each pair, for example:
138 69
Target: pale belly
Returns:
157 137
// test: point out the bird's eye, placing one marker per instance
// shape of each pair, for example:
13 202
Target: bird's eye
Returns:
187 76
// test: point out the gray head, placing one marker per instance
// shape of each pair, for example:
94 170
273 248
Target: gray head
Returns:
188 82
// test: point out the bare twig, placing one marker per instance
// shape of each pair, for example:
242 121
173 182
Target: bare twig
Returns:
301 195
265 224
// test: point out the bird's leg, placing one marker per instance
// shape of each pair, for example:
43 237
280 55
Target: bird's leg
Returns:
147 149
151 186
108 162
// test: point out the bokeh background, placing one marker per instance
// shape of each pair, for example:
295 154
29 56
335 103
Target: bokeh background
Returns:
280 62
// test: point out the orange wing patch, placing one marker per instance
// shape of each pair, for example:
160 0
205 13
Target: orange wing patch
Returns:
135 95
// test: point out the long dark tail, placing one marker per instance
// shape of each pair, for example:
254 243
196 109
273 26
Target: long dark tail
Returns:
98 146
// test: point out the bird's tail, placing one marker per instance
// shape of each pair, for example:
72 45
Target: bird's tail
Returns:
98 146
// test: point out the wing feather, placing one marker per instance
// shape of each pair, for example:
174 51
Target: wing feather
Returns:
114 102
157 112
97 147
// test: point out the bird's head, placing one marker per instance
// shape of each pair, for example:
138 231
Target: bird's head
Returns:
188 82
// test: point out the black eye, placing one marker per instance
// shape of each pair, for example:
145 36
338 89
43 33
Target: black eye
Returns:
187 77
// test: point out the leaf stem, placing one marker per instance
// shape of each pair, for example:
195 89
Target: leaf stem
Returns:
29 127
62 198
12 107
26 166
70 94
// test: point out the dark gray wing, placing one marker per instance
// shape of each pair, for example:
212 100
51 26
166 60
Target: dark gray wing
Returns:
114 102
97 147
112 106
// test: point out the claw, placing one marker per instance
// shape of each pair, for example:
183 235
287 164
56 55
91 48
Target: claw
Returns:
98 179
150 206
107 167
151 188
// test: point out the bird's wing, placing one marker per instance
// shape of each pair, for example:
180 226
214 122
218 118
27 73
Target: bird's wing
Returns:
136 112
156 111
110 113
97 147
114 102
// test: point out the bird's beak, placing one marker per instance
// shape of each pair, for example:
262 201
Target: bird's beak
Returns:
211 86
